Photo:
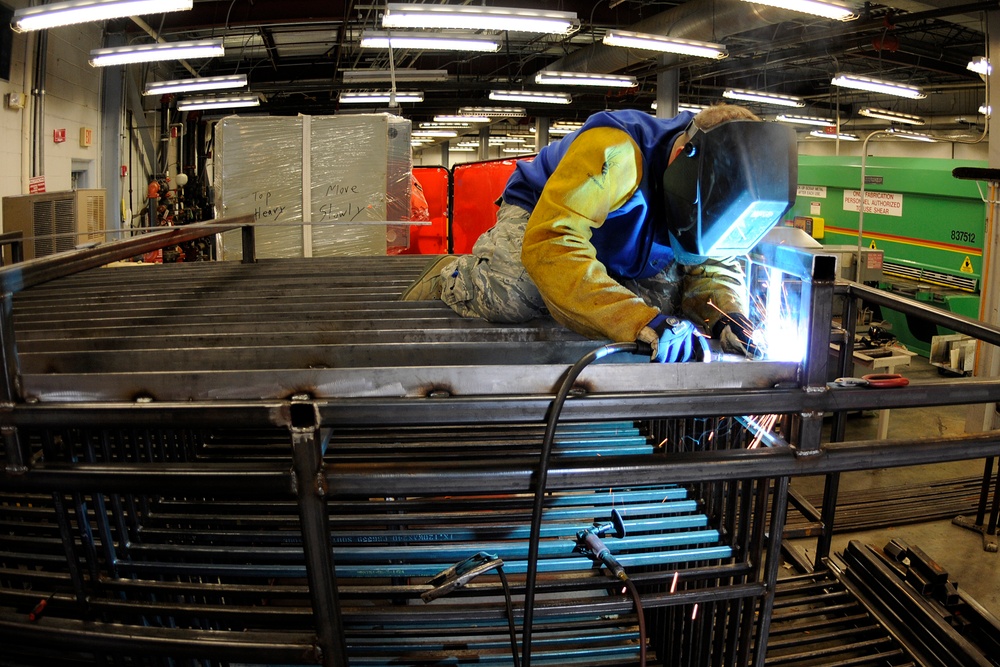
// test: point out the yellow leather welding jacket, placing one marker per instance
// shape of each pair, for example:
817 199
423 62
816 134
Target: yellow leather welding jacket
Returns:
600 172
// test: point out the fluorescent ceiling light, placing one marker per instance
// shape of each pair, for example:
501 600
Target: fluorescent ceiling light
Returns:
380 97
218 102
197 84
474 17
530 96
562 131
650 42
431 126
584 79
461 149
402 74
83 11
805 120
493 112
843 136
144 53
764 98
517 150
371 39
912 136
434 133
461 119
877 86
508 140
894 116
980 65
693 108
828 10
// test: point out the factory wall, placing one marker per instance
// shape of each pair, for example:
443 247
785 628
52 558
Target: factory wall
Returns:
72 101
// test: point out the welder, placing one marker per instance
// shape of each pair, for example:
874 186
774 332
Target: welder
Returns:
630 229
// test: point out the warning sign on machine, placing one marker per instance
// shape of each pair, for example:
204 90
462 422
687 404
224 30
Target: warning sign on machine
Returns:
966 265
882 203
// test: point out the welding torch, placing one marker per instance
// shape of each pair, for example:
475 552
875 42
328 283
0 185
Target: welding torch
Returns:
590 542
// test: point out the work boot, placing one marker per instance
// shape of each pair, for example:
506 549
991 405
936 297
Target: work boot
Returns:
430 283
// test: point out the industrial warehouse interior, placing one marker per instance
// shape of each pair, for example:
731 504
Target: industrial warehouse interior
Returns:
248 417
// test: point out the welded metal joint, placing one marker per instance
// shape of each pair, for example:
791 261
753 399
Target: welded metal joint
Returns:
12 445
319 486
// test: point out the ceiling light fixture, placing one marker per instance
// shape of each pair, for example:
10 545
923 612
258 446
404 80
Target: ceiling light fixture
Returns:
409 15
453 125
218 102
827 10
518 149
764 98
693 108
57 14
434 133
843 136
197 84
379 97
144 53
530 96
912 136
877 86
805 120
892 116
461 119
400 74
493 112
650 42
372 39
980 65
584 79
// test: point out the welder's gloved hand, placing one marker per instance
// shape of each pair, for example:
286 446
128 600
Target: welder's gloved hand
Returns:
673 339
734 331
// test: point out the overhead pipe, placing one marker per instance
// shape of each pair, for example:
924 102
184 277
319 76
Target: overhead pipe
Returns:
707 20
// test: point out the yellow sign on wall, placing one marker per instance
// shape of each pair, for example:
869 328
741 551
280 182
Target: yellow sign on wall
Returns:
86 137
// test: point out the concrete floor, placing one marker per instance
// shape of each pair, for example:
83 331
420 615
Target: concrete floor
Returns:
959 550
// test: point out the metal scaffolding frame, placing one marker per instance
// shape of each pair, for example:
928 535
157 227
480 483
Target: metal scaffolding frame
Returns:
91 435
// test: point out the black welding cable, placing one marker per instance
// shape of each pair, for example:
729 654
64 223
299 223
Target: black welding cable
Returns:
542 473
634 592
510 615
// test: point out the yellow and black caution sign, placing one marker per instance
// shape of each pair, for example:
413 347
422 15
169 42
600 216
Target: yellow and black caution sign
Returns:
966 265
872 245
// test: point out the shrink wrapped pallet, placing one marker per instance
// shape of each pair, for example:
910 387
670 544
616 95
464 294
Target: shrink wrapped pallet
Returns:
316 185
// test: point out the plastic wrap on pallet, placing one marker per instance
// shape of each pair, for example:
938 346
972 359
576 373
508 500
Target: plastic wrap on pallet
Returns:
357 167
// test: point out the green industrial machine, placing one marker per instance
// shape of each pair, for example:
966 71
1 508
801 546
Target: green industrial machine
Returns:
928 224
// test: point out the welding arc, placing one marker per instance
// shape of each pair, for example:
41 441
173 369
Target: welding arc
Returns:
540 478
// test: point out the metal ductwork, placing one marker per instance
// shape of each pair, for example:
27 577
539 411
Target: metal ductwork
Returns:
709 20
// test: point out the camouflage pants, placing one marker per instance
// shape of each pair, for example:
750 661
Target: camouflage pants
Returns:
492 284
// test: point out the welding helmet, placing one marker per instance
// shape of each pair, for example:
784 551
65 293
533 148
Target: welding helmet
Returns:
728 187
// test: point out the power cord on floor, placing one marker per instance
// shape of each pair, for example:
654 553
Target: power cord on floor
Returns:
542 473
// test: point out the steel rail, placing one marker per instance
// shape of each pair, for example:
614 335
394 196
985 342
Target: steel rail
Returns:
513 476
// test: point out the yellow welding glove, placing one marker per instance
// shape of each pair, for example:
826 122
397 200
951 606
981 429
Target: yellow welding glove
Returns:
600 171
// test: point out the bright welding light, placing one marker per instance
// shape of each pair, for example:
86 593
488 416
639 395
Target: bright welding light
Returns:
780 335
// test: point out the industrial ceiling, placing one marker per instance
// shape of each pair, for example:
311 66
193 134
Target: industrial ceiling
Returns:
295 53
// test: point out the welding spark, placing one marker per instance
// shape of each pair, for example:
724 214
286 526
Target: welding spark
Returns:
673 584
694 611
761 425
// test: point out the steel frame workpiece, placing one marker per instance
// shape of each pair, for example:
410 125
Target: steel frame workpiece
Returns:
271 461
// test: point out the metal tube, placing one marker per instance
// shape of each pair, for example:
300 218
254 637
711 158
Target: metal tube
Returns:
960 323
771 567
315 523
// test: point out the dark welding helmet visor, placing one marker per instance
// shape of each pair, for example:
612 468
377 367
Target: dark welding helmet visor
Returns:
728 187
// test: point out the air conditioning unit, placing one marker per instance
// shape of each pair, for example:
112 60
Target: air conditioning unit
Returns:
55 221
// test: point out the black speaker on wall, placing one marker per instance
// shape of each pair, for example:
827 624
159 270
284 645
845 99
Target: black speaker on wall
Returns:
6 41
